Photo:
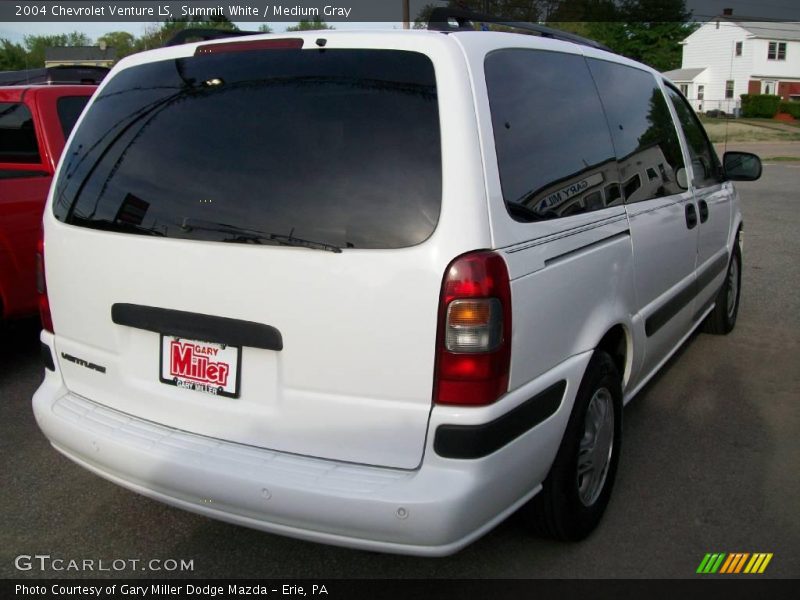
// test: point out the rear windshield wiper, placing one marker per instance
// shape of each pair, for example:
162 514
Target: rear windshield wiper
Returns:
254 236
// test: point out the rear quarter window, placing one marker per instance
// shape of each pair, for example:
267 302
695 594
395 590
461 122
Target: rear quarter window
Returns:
69 108
17 135
554 151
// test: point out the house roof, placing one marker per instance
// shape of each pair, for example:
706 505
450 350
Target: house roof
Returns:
683 74
765 29
79 53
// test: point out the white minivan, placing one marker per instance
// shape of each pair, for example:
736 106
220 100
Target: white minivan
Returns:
377 289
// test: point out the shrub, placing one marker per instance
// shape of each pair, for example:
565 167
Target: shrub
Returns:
760 105
792 108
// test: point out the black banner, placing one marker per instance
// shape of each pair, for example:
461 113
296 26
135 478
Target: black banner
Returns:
441 589
384 10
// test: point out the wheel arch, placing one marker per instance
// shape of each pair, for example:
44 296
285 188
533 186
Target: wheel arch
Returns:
618 343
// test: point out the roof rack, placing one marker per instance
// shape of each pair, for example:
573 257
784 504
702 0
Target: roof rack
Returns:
441 18
205 34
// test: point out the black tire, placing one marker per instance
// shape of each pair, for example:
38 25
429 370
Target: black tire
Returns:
722 319
558 510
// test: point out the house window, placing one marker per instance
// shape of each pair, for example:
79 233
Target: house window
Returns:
776 51
738 48
728 89
685 89
701 89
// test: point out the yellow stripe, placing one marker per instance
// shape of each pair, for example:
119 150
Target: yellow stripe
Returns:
759 558
765 563
741 562
749 567
728 561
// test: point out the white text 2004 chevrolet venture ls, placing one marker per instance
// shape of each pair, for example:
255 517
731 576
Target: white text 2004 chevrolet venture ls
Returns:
377 289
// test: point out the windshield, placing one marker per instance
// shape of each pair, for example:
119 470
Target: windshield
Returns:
337 147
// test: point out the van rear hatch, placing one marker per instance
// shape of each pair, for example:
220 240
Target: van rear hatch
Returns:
241 249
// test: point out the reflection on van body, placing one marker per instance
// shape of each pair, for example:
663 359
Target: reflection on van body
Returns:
590 189
642 175
647 174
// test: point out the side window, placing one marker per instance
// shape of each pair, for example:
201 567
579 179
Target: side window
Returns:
17 135
554 151
69 109
645 138
705 164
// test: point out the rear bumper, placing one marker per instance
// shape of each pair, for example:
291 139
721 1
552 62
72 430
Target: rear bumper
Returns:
434 510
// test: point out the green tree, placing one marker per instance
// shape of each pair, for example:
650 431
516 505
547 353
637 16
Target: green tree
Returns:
123 42
156 36
35 45
309 25
517 10
12 56
265 28
649 31
654 30
661 130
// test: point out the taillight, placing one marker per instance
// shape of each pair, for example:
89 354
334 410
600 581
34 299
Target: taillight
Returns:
473 343
41 285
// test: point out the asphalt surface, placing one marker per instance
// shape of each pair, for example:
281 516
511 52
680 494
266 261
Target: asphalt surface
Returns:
710 462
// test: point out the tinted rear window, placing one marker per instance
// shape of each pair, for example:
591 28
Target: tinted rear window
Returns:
17 134
69 109
336 146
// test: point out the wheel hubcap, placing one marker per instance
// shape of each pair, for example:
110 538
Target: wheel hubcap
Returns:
597 444
733 287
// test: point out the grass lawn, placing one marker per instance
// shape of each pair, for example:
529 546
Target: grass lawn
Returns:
751 130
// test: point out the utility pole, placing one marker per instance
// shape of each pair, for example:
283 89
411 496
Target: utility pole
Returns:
406 15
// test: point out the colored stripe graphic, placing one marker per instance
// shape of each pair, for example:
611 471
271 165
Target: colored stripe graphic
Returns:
758 563
742 560
711 562
734 563
727 564
703 563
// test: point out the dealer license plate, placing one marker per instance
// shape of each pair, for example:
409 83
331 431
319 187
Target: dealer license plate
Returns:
201 366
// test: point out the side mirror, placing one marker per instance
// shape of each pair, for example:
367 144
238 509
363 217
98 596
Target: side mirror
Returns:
681 179
741 166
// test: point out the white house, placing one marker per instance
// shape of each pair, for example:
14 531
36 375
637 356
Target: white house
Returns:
730 56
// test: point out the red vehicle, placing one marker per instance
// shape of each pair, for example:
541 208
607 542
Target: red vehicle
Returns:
35 121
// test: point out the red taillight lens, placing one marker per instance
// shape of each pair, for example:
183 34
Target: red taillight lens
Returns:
41 286
473 343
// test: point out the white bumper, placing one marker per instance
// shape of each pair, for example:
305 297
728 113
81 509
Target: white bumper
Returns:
434 510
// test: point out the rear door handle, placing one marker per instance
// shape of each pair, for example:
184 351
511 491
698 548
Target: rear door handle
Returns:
691 216
703 211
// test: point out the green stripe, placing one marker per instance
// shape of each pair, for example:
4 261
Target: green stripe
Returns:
711 562
701 568
718 563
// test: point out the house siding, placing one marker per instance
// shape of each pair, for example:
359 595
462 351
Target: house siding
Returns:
713 47
762 67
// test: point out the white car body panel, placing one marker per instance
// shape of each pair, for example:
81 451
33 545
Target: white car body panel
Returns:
357 363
